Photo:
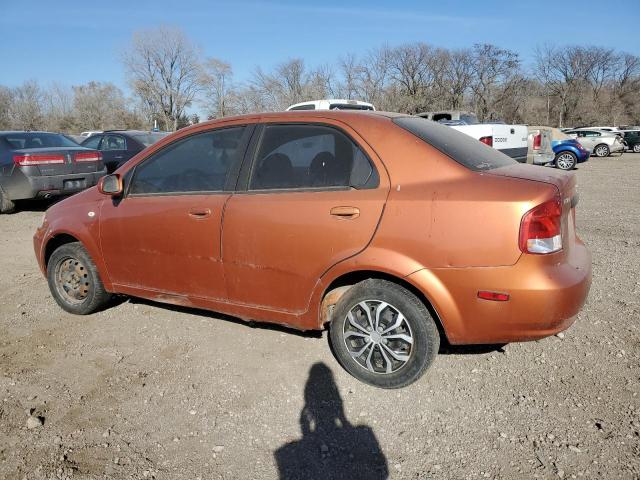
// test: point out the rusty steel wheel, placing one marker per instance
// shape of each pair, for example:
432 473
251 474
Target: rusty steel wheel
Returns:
74 281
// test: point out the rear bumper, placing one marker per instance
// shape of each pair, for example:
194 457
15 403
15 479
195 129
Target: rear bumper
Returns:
541 158
617 147
545 297
21 187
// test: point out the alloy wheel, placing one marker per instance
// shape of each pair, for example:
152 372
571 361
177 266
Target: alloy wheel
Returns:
565 161
378 337
602 151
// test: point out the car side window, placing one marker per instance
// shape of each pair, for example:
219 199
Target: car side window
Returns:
93 142
309 157
113 142
198 163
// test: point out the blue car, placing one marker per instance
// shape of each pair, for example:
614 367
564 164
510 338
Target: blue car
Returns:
569 152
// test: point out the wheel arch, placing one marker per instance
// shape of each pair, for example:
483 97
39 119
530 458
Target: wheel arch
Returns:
56 242
341 284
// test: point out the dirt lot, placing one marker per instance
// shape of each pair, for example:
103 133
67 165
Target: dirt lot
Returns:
143 390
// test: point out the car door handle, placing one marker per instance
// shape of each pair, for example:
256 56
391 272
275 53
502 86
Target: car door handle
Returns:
345 212
199 212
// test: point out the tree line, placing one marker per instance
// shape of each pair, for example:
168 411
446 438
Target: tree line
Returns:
169 77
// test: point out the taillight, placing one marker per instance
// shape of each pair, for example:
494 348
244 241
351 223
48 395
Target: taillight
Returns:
537 141
30 160
88 157
540 229
487 140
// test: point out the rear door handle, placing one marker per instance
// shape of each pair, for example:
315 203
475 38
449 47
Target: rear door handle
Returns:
345 212
199 212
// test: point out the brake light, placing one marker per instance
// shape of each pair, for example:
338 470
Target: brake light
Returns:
537 141
487 140
540 229
34 160
88 157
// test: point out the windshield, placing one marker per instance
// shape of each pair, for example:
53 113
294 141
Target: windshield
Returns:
465 150
148 139
19 141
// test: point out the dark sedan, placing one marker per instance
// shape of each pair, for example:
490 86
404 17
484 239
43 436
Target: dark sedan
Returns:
118 146
632 140
44 164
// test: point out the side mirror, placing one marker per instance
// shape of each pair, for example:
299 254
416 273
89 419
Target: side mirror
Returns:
110 185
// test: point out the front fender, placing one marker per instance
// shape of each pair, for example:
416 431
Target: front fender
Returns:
80 220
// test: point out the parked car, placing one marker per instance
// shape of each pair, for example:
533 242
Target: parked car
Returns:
44 164
632 140
539 145
568 152
383 227
332 104
600 143
512 140
118 146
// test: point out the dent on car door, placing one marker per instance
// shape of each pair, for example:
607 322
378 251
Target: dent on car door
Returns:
312 198
164 235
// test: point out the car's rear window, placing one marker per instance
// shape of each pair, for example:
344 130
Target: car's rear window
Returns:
349 106
465 150
148 139
19 141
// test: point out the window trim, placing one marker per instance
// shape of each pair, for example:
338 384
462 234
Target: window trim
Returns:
248 166
232 175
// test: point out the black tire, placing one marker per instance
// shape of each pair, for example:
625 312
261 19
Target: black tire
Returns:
417 325
6 205
602 150
74 281
566 160
636 148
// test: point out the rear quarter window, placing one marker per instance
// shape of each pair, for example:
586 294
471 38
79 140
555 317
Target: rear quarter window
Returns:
465 150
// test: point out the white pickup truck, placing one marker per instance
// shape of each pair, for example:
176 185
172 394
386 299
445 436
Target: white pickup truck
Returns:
509 139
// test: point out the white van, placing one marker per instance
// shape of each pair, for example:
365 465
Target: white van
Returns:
332 104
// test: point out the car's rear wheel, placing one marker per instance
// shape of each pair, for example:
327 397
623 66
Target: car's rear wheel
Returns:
6 205
602 150
383 335
566 160
74 281
636 148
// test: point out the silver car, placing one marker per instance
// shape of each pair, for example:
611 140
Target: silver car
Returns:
540 149
600 143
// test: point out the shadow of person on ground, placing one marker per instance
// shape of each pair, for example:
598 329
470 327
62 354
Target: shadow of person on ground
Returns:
330 447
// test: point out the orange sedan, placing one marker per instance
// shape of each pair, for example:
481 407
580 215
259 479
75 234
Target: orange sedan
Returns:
388 229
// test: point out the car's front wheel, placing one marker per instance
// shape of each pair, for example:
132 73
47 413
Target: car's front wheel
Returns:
602 150
74 281
636 148
383 335
566 161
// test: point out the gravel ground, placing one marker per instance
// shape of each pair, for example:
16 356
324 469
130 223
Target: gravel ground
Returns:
144 390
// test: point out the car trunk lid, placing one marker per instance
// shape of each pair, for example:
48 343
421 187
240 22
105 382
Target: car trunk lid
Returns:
58 160
566 185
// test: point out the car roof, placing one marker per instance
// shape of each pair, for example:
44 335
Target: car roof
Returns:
11 132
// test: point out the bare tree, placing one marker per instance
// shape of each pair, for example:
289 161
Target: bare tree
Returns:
163 69
218 89
26 111
491 67
5 106
99 106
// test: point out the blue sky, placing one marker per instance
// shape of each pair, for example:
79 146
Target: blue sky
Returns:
73 42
